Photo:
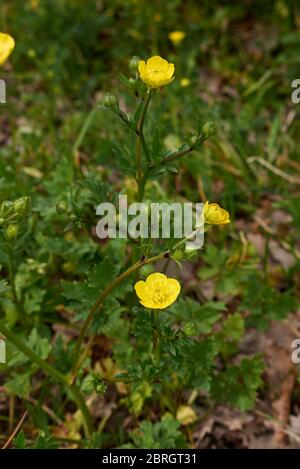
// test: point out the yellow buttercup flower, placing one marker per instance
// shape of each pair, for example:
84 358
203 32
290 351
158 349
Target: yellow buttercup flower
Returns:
215 215
176 37
184 82
158 291
156 72
6 46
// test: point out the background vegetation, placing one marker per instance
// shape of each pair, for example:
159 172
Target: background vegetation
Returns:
225 377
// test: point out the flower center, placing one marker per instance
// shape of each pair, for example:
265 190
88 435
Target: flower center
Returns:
157 293
155 74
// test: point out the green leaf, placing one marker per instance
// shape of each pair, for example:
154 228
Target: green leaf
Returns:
20 384
40 346
19 441
160 435
238 385
232 330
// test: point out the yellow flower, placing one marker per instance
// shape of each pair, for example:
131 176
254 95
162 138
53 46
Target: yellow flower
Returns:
186 415
184 82
6 46
176 37
215 215
34 4
158 291
156 72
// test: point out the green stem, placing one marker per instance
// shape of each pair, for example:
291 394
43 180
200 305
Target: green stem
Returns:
179 154
12 279
155 334
12 275
141 144
50 370
142 184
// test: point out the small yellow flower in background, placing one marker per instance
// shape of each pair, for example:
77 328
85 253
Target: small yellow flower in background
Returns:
6 46
184 82
34 4
186 415
156 72
215 215
176 37
158 291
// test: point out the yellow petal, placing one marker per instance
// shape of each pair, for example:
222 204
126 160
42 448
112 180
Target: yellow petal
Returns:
175 286
170 71
7 44
152 278
157 63
142 67
149 304
141 290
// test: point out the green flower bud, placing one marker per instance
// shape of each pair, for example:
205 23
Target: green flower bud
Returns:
134 63
69 267
111 101
2 221
22 205
193 140
6 209
61 207
190 329
210 129
11 232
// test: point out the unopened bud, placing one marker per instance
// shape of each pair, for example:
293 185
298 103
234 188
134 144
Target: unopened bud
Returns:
11 232
134 63
22 205
69 267
111 101
210 129
2 221
190 329
193 140
6 209
61 207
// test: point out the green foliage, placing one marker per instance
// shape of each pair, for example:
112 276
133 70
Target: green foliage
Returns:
160 435
266 304
238 385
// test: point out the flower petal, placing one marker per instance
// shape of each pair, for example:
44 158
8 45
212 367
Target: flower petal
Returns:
170 71
141 290
156 276
175 286
149 304
142 67
157 63
7 44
